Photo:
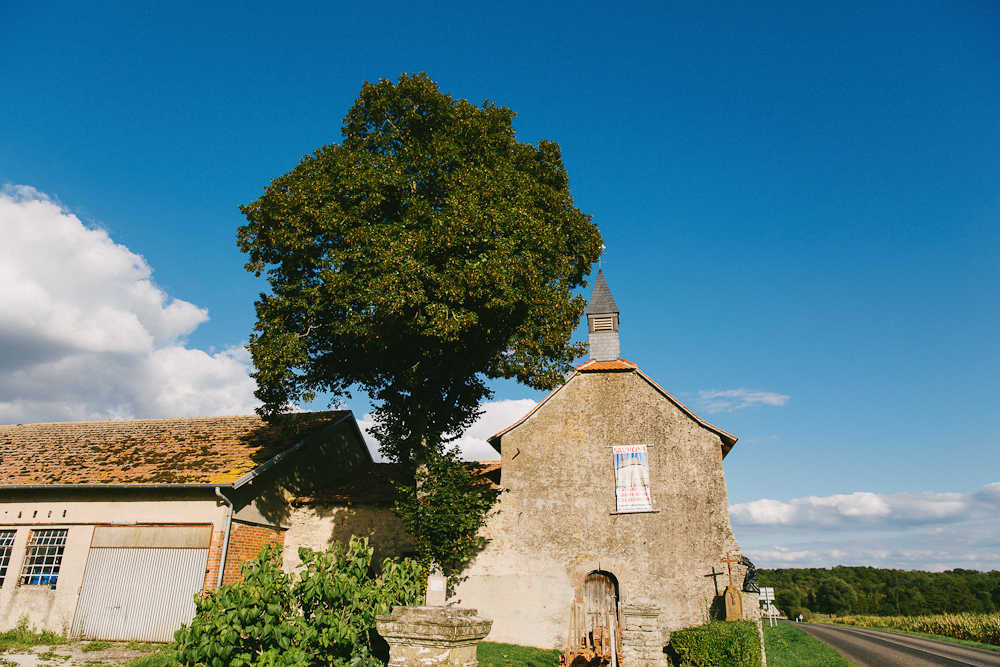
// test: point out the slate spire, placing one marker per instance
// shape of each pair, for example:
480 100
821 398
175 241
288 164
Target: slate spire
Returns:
602 322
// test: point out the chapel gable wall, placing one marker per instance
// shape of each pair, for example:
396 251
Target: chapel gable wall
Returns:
558 521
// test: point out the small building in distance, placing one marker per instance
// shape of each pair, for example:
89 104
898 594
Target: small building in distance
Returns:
615 491
109 528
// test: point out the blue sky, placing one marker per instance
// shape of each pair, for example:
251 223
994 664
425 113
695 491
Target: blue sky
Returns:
801 207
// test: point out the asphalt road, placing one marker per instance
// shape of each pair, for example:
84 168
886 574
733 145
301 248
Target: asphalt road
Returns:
875 648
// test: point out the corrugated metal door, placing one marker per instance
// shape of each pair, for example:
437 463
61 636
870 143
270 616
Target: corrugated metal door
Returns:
142 593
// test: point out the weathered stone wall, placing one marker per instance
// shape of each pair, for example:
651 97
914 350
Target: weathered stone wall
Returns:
319 526
557 522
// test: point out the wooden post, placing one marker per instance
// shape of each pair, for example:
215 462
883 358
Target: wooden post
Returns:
614 636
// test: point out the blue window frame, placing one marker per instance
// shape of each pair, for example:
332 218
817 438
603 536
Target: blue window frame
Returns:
6 547
43 557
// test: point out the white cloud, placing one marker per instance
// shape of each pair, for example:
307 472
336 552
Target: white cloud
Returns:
927 531
972 545
869 510
86 334
727 400
497 415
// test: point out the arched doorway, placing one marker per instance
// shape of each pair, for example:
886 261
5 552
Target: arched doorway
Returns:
600 598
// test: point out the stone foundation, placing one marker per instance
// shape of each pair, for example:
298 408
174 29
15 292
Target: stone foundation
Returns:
432 636
642 643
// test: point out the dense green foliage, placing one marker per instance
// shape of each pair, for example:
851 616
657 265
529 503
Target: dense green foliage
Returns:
880 592
320 617
717 644
982 628
492 654
787 646
428 252
445 515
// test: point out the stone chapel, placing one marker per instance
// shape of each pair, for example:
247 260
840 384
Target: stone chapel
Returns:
614 490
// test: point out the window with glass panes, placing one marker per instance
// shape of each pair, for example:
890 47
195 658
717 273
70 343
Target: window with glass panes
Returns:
43 557
6 546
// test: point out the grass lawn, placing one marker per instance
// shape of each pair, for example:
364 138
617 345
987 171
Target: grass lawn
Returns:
787 646
491 654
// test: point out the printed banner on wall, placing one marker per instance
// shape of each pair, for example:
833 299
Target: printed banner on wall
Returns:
632 478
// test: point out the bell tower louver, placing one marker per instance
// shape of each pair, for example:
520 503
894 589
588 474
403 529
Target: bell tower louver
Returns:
602 322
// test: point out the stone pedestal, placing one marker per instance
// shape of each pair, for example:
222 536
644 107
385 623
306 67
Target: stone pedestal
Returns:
432 636
642 643
734 604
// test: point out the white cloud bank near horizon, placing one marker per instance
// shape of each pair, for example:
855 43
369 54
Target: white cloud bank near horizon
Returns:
925 531
85 334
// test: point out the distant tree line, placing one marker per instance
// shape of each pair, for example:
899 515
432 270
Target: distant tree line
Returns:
868 590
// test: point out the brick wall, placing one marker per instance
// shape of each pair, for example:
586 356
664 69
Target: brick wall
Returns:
214 556
245 542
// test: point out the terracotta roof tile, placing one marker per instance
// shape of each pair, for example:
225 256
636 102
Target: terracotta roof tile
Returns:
616 365
373 484
200 450
365 485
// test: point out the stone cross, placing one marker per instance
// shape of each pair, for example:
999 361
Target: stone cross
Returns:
729 560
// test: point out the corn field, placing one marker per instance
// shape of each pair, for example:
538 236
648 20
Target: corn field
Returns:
983 628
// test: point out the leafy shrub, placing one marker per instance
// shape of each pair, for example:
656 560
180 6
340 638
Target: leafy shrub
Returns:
276 619
717 644
453 503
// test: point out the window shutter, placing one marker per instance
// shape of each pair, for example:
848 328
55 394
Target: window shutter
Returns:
604 324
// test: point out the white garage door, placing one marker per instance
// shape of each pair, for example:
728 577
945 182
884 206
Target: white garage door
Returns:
140 582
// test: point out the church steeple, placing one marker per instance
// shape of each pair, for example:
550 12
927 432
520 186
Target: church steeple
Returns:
602 322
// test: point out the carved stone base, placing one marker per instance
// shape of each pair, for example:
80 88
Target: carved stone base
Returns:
642 643
432 636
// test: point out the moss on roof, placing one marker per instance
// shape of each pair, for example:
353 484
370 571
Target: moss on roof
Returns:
198 450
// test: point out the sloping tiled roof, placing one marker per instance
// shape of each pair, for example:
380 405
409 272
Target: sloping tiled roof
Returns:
201 450
601 301
616 365
728 439
373 484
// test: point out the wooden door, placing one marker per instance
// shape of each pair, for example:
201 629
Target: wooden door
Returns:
600 596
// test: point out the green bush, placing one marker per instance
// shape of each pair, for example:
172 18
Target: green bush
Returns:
319 617
718 644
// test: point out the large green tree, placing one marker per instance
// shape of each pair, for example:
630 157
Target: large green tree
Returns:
427 253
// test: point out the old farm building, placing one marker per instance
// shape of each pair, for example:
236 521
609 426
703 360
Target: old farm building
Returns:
109 528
